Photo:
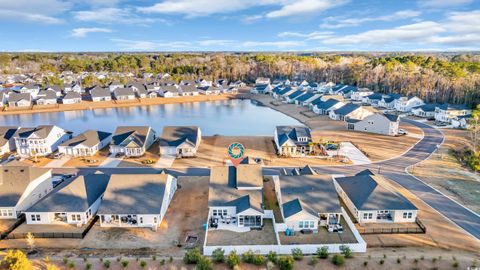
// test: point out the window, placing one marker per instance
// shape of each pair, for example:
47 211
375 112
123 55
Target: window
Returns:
225 212
214 212
409 215
365 216
33 217
370 215
141 220
155 220
74 218
300 224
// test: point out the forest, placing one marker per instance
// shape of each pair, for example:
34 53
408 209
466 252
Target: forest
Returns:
435 77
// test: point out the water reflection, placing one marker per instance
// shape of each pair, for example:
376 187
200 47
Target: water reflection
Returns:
228 117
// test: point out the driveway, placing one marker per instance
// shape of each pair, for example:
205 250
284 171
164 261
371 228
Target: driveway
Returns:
58 163
165 161
353 153
111 161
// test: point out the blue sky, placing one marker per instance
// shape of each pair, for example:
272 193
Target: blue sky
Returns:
239 25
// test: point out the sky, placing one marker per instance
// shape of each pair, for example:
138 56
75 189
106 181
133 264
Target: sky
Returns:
239 25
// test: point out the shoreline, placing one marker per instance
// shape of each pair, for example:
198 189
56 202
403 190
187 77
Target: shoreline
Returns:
90 105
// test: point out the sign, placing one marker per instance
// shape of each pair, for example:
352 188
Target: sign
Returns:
235 153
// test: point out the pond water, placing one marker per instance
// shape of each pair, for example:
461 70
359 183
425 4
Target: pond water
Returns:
226 117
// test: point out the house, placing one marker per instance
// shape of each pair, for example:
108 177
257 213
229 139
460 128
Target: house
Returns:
210 90
349 111
293 140
21 186
386 124
54 88
235 197
76 203
445 113
7 141
346 92
75 87
31 89
169 91
151 194
461 121
136 86
40 141
262 80
86 144
204 83
388 101
324 107
405 104
237 84
425 110
372 99
19 100
334 90
261 89
72 98
47 97
305 99
370 200
282 93
230 90
132 140
188 90
114 85
100 94
360 94
121 93
180 141
308 202
293 96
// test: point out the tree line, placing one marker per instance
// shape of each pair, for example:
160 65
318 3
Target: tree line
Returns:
453 78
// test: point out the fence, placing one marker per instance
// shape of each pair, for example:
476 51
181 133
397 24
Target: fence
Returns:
17 223
420 228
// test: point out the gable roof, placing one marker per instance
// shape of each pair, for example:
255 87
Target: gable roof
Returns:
76 196
368 195
72 95
124 135
189 88
296 94
176 135
134 194
14 180
6 133
285 133
346 109
391 117
324 105
428 107
120 91
40 132
16 97
306 96
100 92
88 138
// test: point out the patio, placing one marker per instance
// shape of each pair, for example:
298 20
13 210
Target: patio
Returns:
322 237
265 236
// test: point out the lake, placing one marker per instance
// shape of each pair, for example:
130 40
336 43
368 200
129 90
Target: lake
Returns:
226 117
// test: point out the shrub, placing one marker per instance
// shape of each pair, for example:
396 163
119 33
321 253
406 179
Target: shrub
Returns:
415 260
322 252
248 256
84 258
272 256
124 264
270 265
154 258
233 259
258 259
88 266
204 264
434 260
365 263
346 251
192 256
399 261
143 264
65 260
297 254
71 264
455 264
119 259
162 261
422 258
106 263
338 260
285 262
16 260
170 259
382 261
313 261
218 255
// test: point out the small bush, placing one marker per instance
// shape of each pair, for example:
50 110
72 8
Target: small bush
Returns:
272 256
84 258
233 259
143 264
71 264
322 252
218 255
192 256
399 261
434 260
422 258
285 262
415 260
65 260
455 264
384 256
162 261
365 263
106 263
154 258
170 260
313 261
258 259
297 254
382 261
346 251
119 259
338 260
88 266
204 264
124 264
248 256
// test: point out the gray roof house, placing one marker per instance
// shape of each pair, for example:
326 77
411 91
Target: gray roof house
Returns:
349 111
72 98
235 197
188 90
100 94
121 93
132 140
75 203
169 91
324 107
180 141
370 198
7 141
85 144
19 99
46 97
293 140
21 186
137 200
385 124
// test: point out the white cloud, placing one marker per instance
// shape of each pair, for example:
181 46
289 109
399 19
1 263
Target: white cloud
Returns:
112 15
33 11
83 32
276 44
302 7
443 3
145 45
308 36
215 42
340 22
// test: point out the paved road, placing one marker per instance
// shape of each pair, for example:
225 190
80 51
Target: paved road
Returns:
394 169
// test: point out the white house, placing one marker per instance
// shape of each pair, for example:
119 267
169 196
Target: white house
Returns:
349 111
261 89
188 90
21 187
180 141
72 98
151 195
262 80
385 124
324 107
210 90
132 141
169 91
360 94
19 99
86 144
293 96
425 110
75 203
388 101
235 197
447 112
114 85
121 93
7 141
405 104
47 97
293 140
40 141
370 200
100 94
30 89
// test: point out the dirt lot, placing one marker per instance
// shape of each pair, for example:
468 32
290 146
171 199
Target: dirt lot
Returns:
187 212
39 162
444 172
5 224
151 156
92 161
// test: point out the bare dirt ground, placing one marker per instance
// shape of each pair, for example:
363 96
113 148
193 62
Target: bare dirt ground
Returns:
91 161
187 212
151 156
39 162
266 236
444 172
5 224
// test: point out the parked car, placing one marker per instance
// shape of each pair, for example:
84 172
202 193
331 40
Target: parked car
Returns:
58 155
402 131
12 157
331 146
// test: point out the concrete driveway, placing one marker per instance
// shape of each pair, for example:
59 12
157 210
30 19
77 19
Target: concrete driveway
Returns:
111 161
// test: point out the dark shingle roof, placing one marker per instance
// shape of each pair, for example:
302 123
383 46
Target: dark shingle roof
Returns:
176 135
306 96
88 138
346 109
284 133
